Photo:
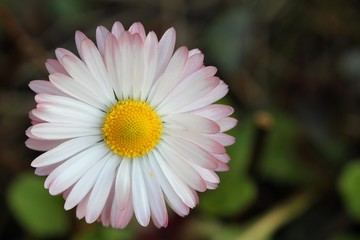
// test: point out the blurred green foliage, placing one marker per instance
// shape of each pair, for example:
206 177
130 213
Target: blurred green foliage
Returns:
106 233
346 236
39 213
280 160
349 182
235 28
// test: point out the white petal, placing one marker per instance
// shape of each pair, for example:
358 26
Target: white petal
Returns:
42 86
183 169
120 218
42 145
139 194
82 75
113 61
170 78
172 197
222 167
192 122
66 193
195 62
53 66
105 216
58 131
224 157
215 112
156 197
30 134
76 163
82 206
202 141
227 123
123 184
197 79
61 52
129 65
79 37
34 120
207 175
139 29
186 93
166 49
101 34
211 186
60 101
192 152
200 74
181 189
217 93
151 56
101 190
84 185
222 138
59 114
64 151
44 171
194 51
117 29
138 72
71 175
96 66
76 90
125 62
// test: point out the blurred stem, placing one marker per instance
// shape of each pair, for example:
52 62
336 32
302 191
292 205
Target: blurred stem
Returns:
263 122
280 215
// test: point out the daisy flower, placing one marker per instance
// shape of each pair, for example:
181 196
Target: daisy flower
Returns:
129 126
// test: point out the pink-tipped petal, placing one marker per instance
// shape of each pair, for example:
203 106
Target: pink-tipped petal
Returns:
117 29
192 122
139 29
79 38
227 123
101 190
101 35
139 194
166 49
170 78
53 66
42 86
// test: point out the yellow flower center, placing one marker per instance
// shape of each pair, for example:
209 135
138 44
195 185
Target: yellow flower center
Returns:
132 128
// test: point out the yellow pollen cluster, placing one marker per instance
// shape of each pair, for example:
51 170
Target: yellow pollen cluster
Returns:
132 128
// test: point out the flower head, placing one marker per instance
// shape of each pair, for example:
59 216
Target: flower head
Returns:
129 126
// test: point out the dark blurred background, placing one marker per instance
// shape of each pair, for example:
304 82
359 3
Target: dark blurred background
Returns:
293 67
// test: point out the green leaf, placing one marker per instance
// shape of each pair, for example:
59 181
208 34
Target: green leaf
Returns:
116 234
227 233
231 232
213 229
349 182
233 195
279 160
236 191
100 232
35 209
346 236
